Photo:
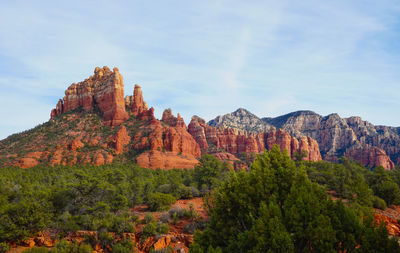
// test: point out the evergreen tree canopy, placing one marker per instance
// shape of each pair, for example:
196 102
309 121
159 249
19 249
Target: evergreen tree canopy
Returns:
275 208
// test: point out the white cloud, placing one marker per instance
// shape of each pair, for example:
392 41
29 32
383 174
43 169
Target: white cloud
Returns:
206 58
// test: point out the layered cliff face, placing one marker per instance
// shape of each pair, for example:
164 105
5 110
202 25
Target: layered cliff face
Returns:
348 136
336 136
102 126
236 141
95 124
171 146
104 90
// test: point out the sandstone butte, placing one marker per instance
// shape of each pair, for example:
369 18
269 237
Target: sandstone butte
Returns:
166 143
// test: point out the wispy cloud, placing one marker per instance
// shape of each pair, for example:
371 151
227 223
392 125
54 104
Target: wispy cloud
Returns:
205 58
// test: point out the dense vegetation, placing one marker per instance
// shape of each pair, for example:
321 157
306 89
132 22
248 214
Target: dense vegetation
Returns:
277 206
95 198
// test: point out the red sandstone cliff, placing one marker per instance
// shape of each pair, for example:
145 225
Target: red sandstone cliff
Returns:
106 127
104 90
370 156
103 127
171 146
234 141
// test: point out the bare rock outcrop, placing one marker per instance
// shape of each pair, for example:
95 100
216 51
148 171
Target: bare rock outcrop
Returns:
370 156
235 141
336 136
103 91
170 144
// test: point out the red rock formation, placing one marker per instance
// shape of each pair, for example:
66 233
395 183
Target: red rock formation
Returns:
179 149
392 225
76 144
165 160
104 90
235 141
198 128
371 156
171 120
120 140
27 162
135 103
224 156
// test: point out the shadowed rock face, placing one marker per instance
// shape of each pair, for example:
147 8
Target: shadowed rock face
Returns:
237 141
336 136
104 91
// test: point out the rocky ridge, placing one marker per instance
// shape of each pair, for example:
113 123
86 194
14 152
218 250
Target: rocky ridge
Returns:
215 140
103 91
241 119
95 124
336 136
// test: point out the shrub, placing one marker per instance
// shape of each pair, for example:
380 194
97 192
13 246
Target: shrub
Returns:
150 229
123 246
37 250
122 224
85 248
379 203
148 218
154 228
105 239
64 246
179 213
160 201
4 247
164 217
190 228
162 228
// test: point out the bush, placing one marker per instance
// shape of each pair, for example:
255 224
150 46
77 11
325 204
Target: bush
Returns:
4 247
64 246
37 250
162 228
147 218
164 217
105 239
150 229
379 203
124 246
122 223
154 228
160 201
85 248
190 228
180 213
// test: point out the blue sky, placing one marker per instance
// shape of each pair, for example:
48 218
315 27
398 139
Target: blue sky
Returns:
205 57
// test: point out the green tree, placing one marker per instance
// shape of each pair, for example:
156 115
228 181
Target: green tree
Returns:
275 208
210 172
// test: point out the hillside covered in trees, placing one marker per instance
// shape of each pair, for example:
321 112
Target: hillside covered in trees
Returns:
278 205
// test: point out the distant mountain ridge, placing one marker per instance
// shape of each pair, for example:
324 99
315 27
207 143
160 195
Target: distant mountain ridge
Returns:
336 136
95 124
241 119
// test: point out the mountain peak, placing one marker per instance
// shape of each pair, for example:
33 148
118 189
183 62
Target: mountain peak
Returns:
240 119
